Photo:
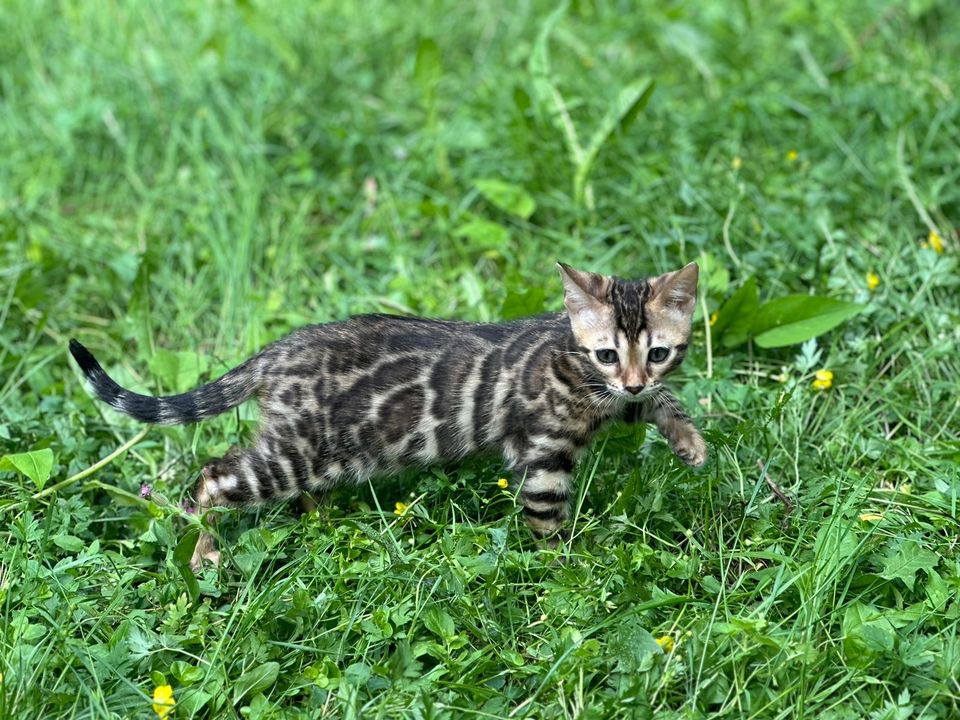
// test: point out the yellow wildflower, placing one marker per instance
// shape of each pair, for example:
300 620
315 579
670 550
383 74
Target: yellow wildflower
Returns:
824 379
713 319
400 508
163 702
935 241
871 517
502 482
792 155
666 642
736 163
873 281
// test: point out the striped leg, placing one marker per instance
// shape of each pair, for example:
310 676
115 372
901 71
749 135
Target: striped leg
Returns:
206 548
675 425
545 494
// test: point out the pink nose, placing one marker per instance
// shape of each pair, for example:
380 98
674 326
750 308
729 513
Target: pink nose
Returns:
633 389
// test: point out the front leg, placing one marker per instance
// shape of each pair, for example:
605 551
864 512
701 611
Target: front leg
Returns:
675 425
545 493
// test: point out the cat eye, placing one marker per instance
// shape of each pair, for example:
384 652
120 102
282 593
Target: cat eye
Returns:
606 356
658 354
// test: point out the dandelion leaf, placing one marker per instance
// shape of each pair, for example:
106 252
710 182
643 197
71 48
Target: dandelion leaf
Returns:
904 562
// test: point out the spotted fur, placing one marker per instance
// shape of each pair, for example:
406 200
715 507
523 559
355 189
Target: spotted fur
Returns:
342 402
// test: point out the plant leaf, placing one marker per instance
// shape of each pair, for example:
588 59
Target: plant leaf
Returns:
35 464
192 701
485 234
428 69
179 371
70 543
714 275
184 549
630 101
735 317
550 104
834 546
439 622
866 633
510 198
538 65
906 560
633 648
795 318
190 580
523 304
182 555
255 680
521 98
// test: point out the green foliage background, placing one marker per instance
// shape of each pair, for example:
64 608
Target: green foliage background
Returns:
182 182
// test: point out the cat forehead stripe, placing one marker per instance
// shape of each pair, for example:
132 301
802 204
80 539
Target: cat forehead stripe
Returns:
628 299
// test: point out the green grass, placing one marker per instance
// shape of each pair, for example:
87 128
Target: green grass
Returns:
191 177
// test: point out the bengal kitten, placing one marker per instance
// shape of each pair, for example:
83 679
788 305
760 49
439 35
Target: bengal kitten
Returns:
343 401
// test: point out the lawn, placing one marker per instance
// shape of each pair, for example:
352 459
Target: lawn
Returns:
184 182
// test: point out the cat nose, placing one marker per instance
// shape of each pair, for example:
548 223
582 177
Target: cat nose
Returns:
633 389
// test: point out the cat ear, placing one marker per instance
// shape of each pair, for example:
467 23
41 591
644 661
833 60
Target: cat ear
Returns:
676 290
584 293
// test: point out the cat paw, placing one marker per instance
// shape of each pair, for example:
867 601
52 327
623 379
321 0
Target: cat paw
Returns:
691 449
204 552
211 557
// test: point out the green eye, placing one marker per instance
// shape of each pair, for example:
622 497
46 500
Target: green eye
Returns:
658 354
607 356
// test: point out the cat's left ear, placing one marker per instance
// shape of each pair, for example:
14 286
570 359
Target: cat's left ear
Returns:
676 290
584 295
582 288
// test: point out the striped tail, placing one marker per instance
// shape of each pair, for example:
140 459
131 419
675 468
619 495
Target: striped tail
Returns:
206 401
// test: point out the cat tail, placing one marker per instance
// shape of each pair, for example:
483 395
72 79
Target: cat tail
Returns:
208 400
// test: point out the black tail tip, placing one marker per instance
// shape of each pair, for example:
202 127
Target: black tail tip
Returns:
84 358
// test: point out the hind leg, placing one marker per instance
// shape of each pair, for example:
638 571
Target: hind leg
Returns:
206 548
215 477
241 477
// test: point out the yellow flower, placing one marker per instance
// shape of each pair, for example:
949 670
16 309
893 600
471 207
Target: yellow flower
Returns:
792 155
400 508
935 241
871 517
713 320
824 379
666 642
873 280
163 701
502 482
736 163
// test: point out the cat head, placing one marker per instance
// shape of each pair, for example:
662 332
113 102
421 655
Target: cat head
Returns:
634 332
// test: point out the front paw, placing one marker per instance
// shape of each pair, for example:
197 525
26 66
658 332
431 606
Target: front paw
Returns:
691 449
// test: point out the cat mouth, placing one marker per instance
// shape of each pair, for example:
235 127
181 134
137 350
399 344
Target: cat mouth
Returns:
644 394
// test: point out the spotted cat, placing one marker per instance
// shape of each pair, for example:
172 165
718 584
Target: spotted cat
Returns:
344 401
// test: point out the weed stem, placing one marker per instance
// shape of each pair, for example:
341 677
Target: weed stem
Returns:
96 466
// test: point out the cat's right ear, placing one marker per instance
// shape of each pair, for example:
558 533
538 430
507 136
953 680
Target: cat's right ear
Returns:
584 294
